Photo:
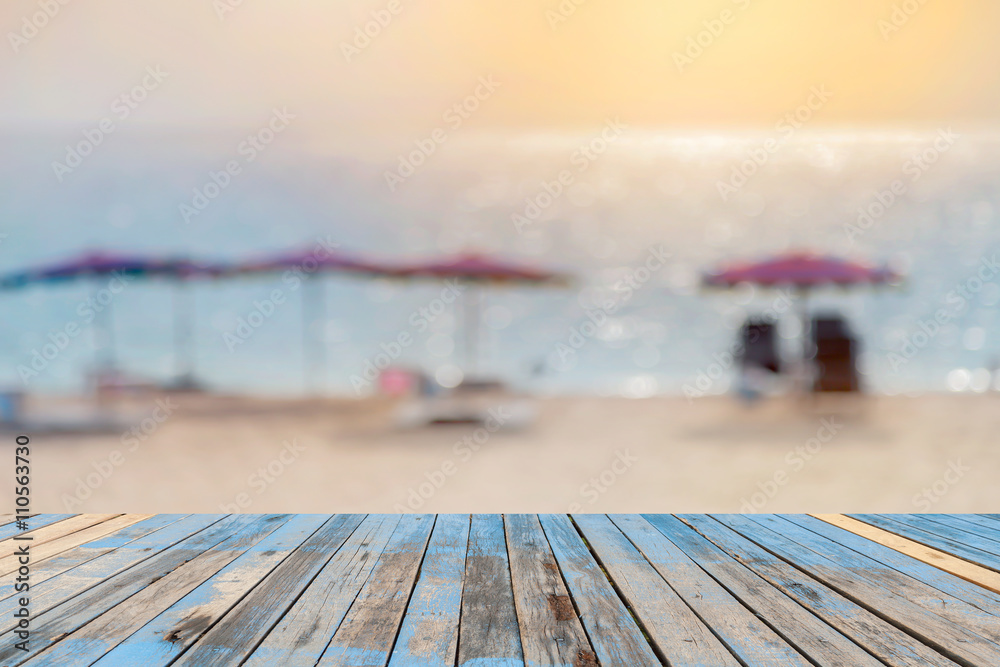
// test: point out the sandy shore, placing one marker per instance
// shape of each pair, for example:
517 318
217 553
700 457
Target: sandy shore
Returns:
210 454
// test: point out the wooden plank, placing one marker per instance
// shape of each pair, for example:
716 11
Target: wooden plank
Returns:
612 631
34 523
551 632
869 571
677 634
169 634
52 625
953 641
746 635
836 630
982 528
429 634
303 632
944 528
932 539
939 579
57 590
39 552
489 632
232 639
57 529
365 637
980 576
81 647
51 567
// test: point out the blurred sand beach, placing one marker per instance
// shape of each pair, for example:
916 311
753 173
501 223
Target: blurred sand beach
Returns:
197 453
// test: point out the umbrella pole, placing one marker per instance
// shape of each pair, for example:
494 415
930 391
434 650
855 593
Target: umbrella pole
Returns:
183 333
104 328
472 323
313 306
805 376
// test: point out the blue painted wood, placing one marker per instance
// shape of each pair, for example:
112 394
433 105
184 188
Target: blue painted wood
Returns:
746 635
877 575
303 632
80 579
56 565
678 635
979 527
489 633
171 632
366 635
228 536
612 631
34 523
932 629
429 634
985 599
836 627
915 531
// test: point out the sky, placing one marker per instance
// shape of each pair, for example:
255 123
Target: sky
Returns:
554 65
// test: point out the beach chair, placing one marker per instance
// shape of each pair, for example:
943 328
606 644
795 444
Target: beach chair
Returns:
835 354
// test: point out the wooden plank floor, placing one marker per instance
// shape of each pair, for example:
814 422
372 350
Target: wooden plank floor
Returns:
498 590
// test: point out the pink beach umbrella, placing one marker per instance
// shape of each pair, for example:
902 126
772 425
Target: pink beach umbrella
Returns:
479 270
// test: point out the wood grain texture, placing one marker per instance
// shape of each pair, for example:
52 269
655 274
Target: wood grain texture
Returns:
35 522
489 632
745 634
937 539
551 631
429 634
614 634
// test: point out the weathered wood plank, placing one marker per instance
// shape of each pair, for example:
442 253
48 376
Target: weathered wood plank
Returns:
57 529
837 630
943 581
366 635
746 635
961 568
34 523
230 640
944 529
678 635
612 631
165 637
56 565
81 647
980 528
489 632
932 539
50 626
873 573
953 641
303 632
429 634
551 632
62 588
39 552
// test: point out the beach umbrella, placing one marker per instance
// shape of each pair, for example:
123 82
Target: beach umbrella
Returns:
801 272
309 264
101 265
476 271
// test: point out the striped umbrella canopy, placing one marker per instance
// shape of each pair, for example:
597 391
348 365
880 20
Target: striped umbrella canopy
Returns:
97 264
801 270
